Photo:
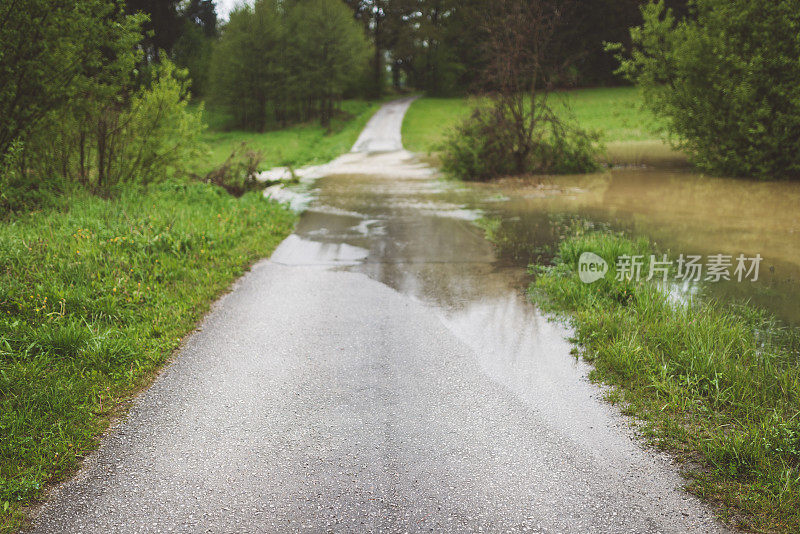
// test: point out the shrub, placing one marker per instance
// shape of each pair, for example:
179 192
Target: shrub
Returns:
726 80
108 139
18 192
160 134
239 174
486 145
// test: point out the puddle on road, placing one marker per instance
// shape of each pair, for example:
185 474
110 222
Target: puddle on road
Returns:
415 233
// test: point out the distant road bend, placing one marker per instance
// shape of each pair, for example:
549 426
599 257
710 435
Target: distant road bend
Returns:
380 373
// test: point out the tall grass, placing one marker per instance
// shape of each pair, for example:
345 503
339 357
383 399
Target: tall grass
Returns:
93 298
719 384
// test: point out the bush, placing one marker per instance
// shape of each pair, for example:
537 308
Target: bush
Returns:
109 140
18 192
239 174
160 134
726 80
486 146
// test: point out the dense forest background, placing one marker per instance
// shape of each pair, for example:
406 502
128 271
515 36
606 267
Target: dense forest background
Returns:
428 45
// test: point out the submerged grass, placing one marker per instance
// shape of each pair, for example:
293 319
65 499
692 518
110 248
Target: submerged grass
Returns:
93 298
718 384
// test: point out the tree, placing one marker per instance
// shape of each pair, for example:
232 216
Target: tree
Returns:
248 66
726 80
44 48
163 25
372 14
71 107
329 49
518 132
277 63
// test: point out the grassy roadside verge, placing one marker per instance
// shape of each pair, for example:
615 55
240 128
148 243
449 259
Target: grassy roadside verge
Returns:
94 297
629 132
295 146
718 385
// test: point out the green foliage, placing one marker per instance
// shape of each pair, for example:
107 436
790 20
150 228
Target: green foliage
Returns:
73 103
486 145
718 383
476 149
50 50
276 65
159 134
616 112
248 71
327 50
17 192
105 140
192 51
94 298
725 80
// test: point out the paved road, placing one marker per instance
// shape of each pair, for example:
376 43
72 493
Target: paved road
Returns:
382 133
380 373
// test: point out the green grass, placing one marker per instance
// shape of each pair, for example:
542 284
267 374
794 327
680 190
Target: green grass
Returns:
428 119
94 297
616 112
719 385
299 145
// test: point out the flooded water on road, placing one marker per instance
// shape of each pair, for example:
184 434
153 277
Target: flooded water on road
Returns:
409 219
393 219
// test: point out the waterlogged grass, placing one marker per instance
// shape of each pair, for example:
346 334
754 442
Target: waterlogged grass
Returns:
93 299
295 146
630 133
720 385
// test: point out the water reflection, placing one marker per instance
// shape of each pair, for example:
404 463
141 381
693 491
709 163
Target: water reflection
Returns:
416 234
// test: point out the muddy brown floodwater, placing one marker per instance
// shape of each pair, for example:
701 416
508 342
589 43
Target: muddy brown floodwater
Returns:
683 212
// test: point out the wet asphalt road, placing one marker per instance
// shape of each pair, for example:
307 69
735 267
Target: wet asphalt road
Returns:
380 373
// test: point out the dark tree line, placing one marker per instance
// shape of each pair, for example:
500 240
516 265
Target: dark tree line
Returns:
278 63
435 45
182 30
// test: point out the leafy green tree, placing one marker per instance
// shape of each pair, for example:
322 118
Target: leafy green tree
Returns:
248 66
278 62
45 46
727 81
72 107
329 50
193 51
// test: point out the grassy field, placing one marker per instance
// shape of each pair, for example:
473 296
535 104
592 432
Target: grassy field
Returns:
629 132
94 297
295 146
719 385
